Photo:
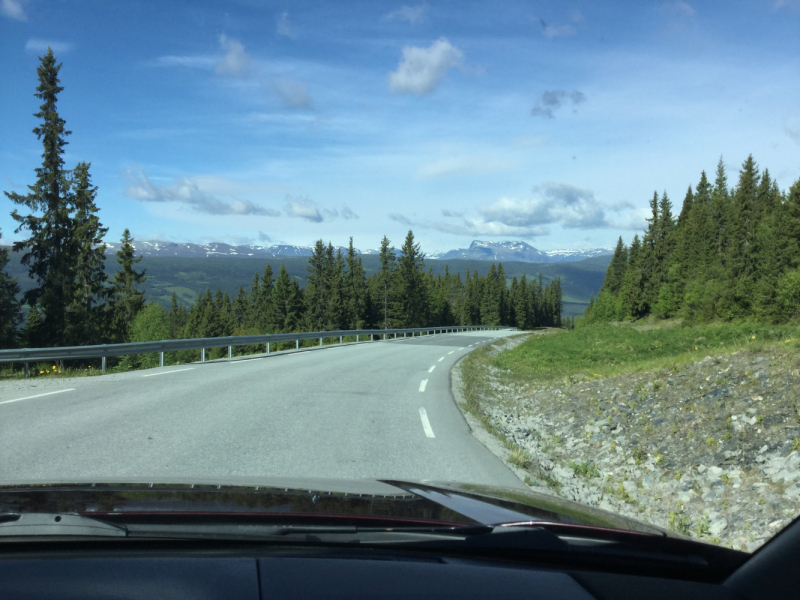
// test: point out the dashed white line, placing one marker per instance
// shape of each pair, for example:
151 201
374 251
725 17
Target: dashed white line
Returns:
167 372
460 348
37 396
422 385
451 351
441 359
426 425
431 369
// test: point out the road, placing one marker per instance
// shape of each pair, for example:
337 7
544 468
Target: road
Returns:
369 410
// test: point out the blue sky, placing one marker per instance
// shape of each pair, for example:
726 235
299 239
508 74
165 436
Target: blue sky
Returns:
261 122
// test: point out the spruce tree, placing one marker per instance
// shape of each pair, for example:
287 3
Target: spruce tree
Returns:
48 250
261 317
286 302
355 290
616 269
127 300
87 311
409 308
10 315
386 259
177 318
320 269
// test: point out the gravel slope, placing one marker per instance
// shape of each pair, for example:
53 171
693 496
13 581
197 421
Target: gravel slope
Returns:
711 450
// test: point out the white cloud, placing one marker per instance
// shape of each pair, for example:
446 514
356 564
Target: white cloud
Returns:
551 31
553 204
347 213
421 69
37 45
293 93
308 210
283 27
303 208
462 164
13 9
235 60
192 62
412 14
191 192
679 9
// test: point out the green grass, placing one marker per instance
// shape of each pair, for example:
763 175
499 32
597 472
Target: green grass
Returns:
602 350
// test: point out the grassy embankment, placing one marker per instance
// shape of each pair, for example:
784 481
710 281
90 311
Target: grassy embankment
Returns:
601 351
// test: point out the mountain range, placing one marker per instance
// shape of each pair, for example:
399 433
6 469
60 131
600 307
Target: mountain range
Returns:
478 250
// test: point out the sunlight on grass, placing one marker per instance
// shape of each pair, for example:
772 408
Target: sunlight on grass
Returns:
600 350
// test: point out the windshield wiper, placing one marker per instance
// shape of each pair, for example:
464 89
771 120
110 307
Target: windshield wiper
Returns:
54 524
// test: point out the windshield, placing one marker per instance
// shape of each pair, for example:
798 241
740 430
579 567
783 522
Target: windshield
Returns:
546 253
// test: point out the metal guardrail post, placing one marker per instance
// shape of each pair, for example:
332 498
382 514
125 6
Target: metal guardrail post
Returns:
160 359
26 370
230 352
103 364
267 347
202 355
320 342
340 339
297 344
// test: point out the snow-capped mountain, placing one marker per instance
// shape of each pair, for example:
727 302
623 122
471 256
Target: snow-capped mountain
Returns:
149 248
478 250
517 251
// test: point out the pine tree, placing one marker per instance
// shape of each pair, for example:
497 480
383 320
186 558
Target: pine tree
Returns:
386 276
47 252
10 315
266 318
33 334
355 291
320 271
87 311
409 308
286 302
741 259
616 269
335 306
177 318
127 300
631 293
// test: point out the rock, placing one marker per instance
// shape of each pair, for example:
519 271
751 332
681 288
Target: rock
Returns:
717 526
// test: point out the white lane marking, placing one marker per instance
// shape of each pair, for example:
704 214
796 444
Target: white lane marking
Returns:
246 360
167 372
431 369
451 351
422 385
460 348
38 396
441 359
426 425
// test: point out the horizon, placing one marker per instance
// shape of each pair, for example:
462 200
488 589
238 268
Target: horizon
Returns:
551 125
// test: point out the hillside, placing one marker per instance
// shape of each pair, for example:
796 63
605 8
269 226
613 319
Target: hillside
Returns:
190 276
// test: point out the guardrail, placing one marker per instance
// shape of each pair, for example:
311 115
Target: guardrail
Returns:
28 355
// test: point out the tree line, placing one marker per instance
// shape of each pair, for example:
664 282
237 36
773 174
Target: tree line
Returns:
730 254
73 301
339 296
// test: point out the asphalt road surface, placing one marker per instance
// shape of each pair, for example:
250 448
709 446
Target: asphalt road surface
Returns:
369 410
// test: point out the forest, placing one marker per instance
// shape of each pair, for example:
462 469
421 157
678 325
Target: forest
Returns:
731 254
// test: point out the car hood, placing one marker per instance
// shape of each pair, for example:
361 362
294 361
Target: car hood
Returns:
390 502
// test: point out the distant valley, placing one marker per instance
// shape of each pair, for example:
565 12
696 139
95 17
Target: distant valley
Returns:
187 276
